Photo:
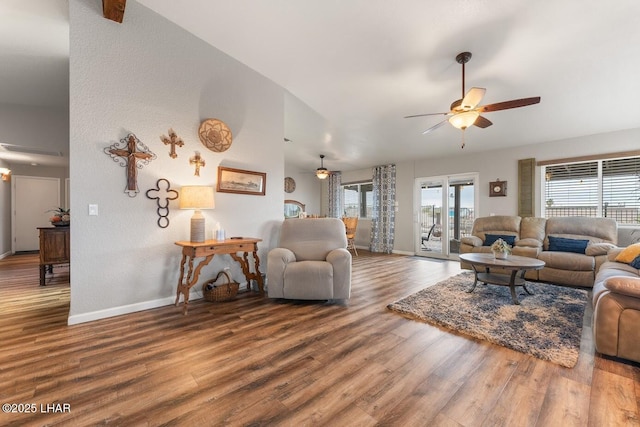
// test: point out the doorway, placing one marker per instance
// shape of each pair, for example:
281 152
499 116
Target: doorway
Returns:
445 211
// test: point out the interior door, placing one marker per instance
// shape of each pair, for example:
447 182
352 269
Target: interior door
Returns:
31 198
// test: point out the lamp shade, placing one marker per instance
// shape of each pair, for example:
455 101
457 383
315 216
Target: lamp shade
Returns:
196 197
464 120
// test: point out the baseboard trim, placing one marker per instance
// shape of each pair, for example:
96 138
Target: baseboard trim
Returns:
4 255
403 252
194 295
127 309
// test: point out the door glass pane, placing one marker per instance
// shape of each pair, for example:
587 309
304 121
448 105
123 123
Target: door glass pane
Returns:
431 217
461 215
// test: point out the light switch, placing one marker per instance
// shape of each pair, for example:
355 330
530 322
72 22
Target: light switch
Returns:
93 209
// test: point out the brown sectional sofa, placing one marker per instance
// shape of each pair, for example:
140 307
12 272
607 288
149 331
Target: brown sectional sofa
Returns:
616 309
532 239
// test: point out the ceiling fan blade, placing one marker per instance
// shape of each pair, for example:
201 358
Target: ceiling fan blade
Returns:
473 98
481 122
514 103
428 114
436 126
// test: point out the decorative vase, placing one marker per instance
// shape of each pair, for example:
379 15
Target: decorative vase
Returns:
61 223
501 255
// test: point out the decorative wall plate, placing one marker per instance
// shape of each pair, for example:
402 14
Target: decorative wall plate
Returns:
215 135
289 185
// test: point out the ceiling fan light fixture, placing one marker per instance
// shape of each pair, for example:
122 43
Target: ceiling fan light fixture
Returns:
464 120
322 172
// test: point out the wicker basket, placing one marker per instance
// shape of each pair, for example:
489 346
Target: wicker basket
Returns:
216 292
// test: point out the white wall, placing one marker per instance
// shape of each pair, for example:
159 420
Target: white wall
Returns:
145 76
5 215
307 189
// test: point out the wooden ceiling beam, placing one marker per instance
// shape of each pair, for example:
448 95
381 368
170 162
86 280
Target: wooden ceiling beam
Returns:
114 9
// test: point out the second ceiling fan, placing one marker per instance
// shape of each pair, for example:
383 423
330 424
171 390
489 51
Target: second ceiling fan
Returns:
466 112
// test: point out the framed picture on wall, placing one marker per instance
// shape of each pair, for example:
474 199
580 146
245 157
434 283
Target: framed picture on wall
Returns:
497 188
241 181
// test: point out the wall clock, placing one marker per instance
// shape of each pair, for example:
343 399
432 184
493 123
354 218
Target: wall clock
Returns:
289 185
497 188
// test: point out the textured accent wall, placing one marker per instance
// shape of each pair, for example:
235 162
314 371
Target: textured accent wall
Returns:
145 76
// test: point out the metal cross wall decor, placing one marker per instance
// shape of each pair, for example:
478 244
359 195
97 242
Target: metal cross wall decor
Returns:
162 195
131 153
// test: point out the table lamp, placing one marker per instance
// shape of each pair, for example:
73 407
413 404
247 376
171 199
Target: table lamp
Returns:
197 197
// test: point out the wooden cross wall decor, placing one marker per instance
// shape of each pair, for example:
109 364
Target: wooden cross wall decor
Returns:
197 161
174 140
131 153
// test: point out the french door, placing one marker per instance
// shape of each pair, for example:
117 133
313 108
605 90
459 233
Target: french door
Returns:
445 209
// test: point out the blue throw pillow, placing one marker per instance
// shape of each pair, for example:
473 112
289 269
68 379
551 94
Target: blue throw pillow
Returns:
562 244
489 239
635 263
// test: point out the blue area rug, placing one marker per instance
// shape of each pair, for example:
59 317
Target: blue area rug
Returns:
546 325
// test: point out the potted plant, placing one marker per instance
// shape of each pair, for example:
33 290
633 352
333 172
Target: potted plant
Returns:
500 249
61 217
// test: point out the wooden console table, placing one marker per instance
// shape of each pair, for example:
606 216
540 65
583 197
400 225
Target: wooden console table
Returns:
54 249
206 250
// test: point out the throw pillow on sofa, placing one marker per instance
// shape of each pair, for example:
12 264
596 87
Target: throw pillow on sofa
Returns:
629 254
562 244
489 239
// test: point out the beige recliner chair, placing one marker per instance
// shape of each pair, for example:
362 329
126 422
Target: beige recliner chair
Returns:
311 262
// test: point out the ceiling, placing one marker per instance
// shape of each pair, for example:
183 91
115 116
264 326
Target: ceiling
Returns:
363 65
34 52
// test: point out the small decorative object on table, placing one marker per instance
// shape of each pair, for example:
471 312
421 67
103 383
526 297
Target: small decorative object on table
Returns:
61 217
501 249
216 292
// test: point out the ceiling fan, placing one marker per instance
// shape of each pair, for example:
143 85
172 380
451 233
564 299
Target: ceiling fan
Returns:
466 111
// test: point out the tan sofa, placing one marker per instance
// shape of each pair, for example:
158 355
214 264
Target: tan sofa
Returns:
616 309
532 238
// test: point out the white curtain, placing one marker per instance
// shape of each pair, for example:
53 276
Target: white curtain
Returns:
384 212
335 196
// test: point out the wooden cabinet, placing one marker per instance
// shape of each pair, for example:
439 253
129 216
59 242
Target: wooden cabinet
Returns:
54 248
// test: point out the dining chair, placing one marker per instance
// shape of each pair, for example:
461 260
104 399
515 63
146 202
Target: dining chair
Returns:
351 224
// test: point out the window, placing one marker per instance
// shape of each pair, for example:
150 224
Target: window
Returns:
357 199
604 188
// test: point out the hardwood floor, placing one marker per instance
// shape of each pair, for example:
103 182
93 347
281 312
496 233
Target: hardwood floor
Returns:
255 361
